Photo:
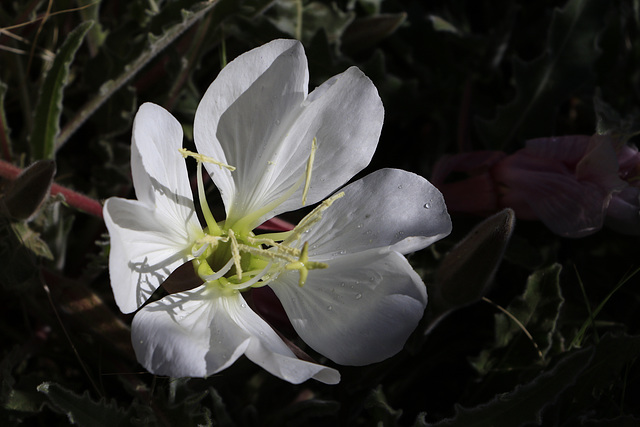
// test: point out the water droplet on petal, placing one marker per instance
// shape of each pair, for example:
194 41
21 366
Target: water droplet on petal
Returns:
329 308
359 225
358 296
277 122
342 284
400 187
243 305
427 205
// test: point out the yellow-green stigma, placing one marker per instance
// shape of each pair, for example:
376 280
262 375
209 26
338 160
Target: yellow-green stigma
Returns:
231 258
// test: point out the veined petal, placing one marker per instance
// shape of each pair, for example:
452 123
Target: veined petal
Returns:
198 333
146 246
389 207
188 334
267 350
158 169
249 104
359 310
344 115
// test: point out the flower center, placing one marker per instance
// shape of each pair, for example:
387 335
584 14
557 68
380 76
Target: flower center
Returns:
232 258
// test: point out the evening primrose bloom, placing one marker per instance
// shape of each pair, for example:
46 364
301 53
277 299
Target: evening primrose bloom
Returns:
270 148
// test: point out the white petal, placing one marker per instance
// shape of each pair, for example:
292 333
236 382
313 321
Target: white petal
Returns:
250 102
159 170
345 116
359 310
146 246
267 350
198 333
389 207
188 334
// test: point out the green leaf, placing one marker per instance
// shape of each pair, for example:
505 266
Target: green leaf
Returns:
611 355
26 193
525 403
156 45
84 411
536 313
466 271
366 32
49 108
381 412
544 83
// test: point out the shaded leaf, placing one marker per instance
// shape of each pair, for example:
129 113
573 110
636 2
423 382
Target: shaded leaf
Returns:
536 311
82 410
546 82
466 271
366 32
27 192
526 402
49 109
381 412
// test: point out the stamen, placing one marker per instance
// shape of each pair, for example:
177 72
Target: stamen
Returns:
219 273
204 159
307 180
270 255
303 265
313 217
253 281
235 253
206 212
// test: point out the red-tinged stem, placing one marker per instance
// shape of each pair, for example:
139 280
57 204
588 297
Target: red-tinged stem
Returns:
73 198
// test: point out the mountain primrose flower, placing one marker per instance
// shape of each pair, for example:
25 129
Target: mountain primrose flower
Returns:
270 147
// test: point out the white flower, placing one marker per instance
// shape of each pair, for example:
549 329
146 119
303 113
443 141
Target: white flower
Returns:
340 274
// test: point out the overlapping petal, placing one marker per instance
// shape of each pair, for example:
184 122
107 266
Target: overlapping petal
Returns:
389 207
358 311
200 332
267 132
151 237
271 81
146 246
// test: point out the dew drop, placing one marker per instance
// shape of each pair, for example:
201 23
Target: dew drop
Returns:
342 284
369 231
400 187
371 279
427 205
329 308
243 305
277 122
359 225
358 296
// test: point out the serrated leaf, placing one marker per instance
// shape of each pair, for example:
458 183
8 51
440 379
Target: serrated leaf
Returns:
315 16
611 355
156 45
49 108
383 414
544 83
84 411
525 403
31 240
536 311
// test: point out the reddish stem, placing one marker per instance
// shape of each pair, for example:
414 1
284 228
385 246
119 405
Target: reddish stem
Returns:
73 198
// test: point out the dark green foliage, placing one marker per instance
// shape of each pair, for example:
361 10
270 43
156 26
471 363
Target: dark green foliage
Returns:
539 330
